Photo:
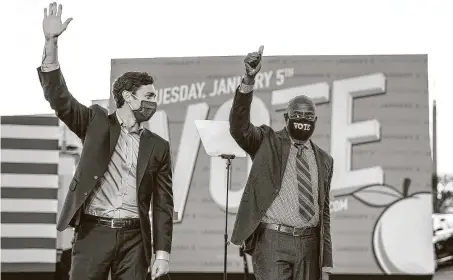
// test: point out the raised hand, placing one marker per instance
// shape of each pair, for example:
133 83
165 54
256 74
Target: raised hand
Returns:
51 24
253 62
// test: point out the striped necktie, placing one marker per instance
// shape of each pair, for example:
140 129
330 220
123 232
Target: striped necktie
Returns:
304 185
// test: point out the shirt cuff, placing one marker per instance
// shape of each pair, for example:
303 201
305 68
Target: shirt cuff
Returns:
162 255
48 67
243 88
327 269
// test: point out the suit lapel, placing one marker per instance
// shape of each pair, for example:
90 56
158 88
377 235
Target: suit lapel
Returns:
114 133
285 146
145 150
320 165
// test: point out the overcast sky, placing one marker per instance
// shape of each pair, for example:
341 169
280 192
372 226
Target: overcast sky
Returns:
102 30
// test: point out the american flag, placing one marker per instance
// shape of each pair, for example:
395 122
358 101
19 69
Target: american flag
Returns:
29 191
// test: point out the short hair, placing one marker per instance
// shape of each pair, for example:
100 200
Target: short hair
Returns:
129 81
300 99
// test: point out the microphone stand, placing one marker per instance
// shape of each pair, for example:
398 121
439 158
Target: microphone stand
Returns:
228 158
244 259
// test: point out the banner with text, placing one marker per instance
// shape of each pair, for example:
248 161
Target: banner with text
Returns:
372 118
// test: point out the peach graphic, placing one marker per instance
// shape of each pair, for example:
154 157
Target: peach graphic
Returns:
402 236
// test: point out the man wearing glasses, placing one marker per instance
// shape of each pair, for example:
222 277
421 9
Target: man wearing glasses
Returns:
283 220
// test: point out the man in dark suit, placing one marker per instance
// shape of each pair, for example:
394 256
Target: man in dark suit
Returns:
283 220
123 169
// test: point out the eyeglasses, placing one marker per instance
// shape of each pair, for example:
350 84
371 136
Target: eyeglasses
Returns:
302 115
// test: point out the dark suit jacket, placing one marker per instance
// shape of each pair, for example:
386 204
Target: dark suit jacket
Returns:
269 151
99 133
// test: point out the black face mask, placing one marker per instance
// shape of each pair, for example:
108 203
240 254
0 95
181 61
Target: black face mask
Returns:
300 129
145 111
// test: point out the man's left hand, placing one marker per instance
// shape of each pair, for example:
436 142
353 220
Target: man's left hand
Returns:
160 268
325 276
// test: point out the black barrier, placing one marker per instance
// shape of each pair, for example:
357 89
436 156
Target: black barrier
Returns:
30 275
216 276
240 276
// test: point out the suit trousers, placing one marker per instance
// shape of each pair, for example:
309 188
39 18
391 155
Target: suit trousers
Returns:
99 249
281 256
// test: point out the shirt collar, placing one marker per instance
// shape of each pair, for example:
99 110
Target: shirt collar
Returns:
122 124
293 142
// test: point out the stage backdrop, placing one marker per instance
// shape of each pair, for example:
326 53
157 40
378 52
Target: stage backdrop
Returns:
29 188
372 118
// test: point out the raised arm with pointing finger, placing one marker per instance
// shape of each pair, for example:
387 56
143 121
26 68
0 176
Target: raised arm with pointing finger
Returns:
283 220
247 135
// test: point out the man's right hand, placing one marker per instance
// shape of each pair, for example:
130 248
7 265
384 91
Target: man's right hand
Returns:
253 65
51 24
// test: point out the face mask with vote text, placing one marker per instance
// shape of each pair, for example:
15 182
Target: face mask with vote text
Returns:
300 129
